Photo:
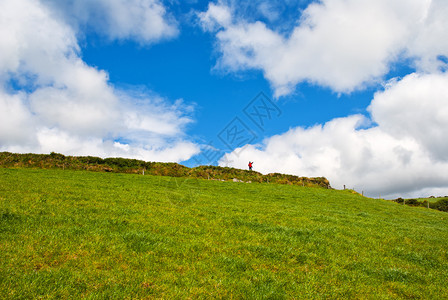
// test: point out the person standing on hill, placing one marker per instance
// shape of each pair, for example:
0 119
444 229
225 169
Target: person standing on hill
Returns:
250 165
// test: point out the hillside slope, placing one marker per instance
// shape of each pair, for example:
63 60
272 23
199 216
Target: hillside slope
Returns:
76 234
134 166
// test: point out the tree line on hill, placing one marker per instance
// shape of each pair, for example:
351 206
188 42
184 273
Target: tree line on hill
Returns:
134 166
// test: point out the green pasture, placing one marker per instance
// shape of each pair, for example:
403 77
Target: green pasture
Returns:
431 200
75 234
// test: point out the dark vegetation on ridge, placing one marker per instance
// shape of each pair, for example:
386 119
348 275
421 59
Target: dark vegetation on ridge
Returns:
439 203
134 166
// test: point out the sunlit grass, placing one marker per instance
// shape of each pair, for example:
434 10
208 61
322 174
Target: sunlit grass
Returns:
73 234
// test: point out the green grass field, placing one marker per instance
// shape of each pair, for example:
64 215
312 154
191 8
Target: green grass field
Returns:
431 200
76 234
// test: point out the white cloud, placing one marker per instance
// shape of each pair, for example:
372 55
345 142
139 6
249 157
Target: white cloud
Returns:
416 106
269 11
341 44
66 106
65 142
16 125
145 21
217 16
429 41
405 154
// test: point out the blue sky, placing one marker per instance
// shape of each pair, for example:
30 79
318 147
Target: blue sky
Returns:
359 88
184 68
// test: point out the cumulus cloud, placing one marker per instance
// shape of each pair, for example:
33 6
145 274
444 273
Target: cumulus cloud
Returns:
16 125
144 21
404 154
51 100
416 106
341 44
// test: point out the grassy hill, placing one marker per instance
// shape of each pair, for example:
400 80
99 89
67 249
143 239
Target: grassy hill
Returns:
76 234
134 166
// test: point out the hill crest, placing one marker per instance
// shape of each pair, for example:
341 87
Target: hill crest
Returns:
134 166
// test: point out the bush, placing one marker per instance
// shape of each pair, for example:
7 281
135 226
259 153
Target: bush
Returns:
413 202
399 200
57 156
91 160
441 205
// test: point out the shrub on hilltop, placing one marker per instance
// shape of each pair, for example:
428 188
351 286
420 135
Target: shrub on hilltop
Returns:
441 205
